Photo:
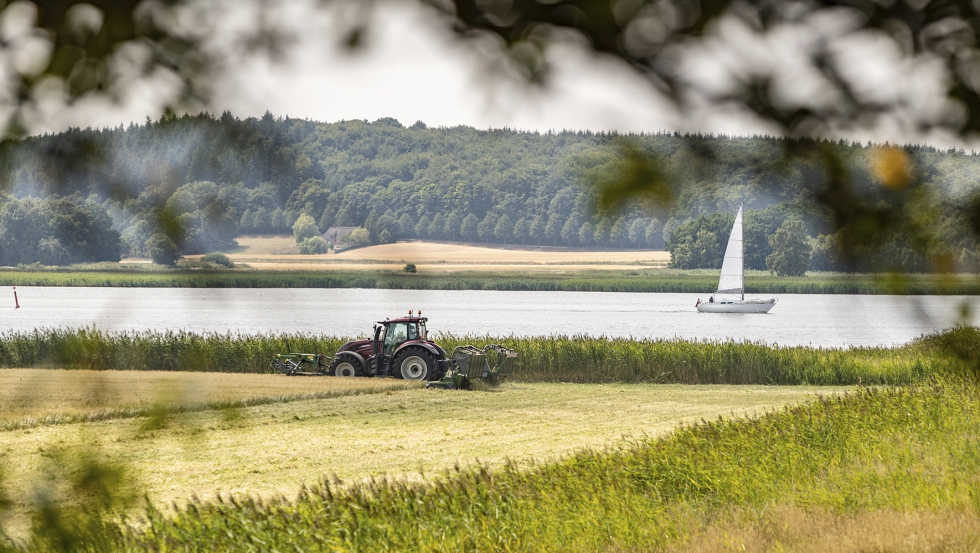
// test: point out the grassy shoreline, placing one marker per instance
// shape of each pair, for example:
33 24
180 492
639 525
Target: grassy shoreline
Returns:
648 281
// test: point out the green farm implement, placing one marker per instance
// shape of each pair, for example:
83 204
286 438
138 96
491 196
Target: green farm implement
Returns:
301 364
491 365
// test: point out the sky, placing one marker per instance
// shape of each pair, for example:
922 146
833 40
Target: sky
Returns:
413 68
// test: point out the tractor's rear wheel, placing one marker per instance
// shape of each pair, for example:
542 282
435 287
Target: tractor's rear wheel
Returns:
415 364
345 366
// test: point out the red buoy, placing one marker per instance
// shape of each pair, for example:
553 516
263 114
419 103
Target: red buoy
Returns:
16 303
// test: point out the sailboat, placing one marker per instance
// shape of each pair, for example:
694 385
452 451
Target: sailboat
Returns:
730 285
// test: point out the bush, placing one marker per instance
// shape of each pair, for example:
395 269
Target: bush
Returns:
313 245
410 268
217 259
162 249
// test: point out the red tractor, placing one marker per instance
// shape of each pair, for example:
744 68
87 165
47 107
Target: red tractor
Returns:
400 348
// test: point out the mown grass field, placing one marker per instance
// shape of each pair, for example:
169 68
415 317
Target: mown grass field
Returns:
275 447
880 470
38 397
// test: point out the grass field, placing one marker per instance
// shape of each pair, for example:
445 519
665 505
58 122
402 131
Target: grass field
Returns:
276 447
878 470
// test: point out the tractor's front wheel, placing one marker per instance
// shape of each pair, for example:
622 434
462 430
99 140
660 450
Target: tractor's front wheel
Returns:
345 366
415 364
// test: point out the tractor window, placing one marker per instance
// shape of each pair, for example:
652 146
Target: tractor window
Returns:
397 333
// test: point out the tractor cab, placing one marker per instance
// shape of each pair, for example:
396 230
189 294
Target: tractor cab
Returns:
400 348
390 334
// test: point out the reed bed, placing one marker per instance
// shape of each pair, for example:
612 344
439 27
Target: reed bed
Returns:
640 280
582 359
909 450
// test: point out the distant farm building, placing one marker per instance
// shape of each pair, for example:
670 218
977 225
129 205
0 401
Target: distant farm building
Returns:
338 235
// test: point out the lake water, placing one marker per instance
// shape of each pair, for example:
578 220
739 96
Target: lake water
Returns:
797 319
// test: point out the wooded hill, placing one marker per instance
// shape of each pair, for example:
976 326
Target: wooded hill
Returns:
203 180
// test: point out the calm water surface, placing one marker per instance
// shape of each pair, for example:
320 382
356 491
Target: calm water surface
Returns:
819 320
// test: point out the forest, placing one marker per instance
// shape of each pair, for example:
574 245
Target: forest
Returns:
192 183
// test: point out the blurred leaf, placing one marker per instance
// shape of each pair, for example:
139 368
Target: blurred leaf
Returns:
635 175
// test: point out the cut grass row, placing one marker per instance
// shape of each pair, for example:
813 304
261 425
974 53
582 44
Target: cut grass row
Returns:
650 281
582 359
912 450
39 397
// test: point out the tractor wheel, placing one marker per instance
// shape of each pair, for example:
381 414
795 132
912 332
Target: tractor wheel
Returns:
414 364
345 366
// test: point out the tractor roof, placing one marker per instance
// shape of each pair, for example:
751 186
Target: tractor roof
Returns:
404 320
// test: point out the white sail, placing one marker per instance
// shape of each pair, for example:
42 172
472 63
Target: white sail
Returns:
731 267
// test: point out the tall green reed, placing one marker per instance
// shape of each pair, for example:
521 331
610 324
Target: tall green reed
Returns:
584 359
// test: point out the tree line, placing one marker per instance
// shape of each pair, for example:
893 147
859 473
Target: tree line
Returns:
192 183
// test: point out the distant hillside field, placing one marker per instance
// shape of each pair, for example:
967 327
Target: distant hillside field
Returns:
277 253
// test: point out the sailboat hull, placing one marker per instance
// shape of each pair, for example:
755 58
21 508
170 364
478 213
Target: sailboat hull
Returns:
738 306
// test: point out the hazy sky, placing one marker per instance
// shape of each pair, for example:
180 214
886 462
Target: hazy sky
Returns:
414 68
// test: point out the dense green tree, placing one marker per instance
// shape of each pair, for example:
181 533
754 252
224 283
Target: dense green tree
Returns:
437 227
304 227
406 225
360 237
791 249
619 233
388 229
246 222
422 227
554 227
277 220
468 227
504 229
570 230
601 232
637 232
535 230
653 235
520 230
162 249
587 234
701 242
485 228
451 228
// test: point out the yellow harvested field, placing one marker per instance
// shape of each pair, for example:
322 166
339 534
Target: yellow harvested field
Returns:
275 448
38 393
278 253
428 252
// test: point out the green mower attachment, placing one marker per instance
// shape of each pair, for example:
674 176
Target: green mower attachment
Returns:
491 365
301 364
